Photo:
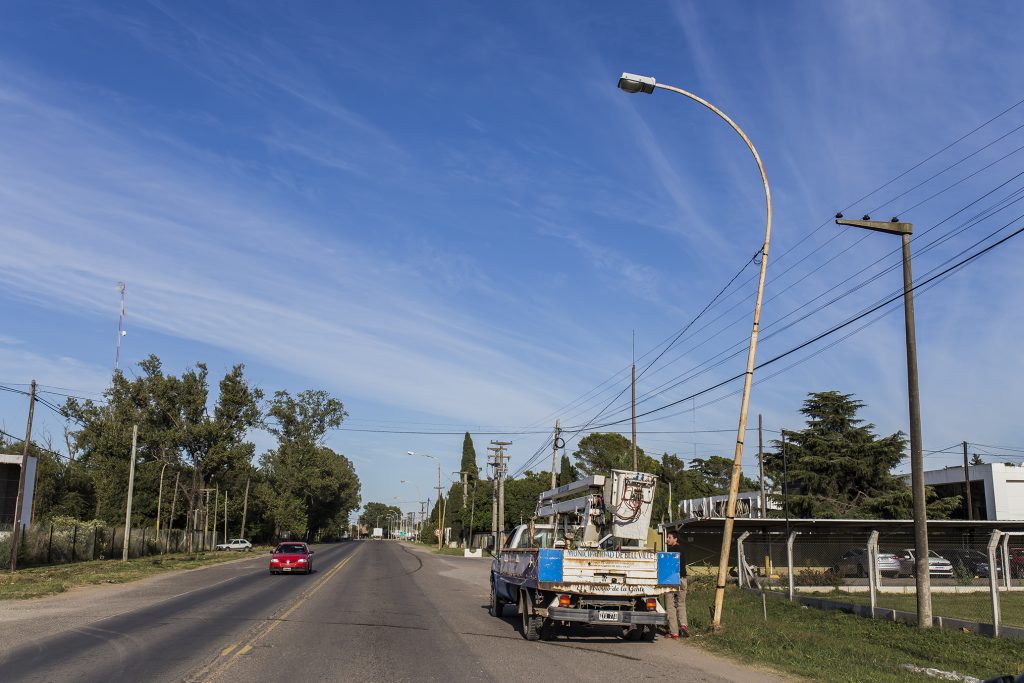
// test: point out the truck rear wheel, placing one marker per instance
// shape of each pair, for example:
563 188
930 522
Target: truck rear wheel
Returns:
532 626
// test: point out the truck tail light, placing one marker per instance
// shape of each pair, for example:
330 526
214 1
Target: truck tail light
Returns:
563 600
652 604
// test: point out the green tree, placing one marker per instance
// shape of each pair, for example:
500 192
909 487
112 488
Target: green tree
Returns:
468 464
714 476
175 427
599 453
313 488
521 496
375 514
837 466
566 472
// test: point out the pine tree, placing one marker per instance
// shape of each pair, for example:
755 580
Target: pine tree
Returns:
566 472
469 459
837 466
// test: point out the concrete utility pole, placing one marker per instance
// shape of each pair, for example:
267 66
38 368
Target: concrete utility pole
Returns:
632 83
967 484
493 464
245 508
760 466
502 471
472 514
922 578
131 491
16 531
225 516
216 506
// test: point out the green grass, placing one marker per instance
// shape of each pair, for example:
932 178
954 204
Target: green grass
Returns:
971 606
37 582
832 646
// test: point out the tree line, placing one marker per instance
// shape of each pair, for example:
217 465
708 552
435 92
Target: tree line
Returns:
835 467
194 445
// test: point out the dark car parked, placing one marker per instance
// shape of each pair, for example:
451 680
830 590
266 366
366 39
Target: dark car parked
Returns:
974 561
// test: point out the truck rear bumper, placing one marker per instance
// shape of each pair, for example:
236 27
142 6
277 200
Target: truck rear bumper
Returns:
607 617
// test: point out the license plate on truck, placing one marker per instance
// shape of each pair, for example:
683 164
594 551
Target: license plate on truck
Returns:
605 615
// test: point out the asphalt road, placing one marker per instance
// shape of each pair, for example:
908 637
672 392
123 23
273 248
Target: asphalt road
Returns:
372 610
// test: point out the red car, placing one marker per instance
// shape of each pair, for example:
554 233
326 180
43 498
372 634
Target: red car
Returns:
1017 563
291 557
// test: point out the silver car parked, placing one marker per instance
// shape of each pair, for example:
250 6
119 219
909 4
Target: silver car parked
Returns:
854 562
937 564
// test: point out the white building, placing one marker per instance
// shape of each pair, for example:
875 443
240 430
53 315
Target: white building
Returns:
997 489
997 494
748 505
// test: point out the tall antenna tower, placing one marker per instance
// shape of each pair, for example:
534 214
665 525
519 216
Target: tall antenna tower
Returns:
120 328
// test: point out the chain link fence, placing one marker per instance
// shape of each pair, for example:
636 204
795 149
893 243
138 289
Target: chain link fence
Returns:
976 575
50 544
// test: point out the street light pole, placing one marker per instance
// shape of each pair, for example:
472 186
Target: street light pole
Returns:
440 533
923 581
632 83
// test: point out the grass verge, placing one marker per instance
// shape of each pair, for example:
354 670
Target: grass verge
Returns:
37 582
970 606
832 646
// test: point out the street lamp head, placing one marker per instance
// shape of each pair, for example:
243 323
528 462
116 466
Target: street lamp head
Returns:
632 83
411 452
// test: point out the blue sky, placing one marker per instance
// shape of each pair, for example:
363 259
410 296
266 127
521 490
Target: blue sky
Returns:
446 214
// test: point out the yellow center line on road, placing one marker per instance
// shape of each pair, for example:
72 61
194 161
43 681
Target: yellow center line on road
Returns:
244 646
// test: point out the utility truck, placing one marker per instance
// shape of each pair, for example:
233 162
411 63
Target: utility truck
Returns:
378 532
584 558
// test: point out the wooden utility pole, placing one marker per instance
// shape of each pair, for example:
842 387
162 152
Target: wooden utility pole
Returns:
16 531
967 484
160 499
633 404
554 453
245 507
170 518
760 465
131 490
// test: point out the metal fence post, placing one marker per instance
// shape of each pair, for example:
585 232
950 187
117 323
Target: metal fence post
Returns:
873 570
993 585
74 539
789 561
49 547
1005 561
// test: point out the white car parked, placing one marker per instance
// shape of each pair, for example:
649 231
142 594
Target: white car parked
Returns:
235 544
937 564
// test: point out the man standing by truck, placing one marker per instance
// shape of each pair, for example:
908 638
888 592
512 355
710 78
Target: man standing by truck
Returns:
675 601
